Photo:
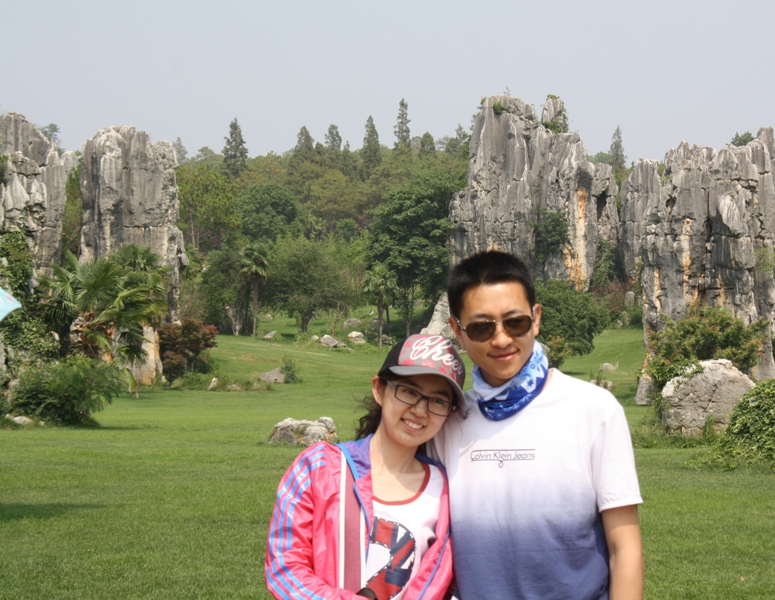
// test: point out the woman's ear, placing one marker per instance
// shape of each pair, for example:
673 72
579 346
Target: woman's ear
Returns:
377 389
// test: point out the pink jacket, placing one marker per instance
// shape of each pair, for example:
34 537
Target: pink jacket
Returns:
303 552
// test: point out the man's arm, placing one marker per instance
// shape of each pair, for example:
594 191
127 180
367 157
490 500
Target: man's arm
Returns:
622 534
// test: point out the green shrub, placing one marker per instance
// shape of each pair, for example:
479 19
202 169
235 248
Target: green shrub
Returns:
66 392
749 440
570 319
3 169
706 333
551 232
289 370
498 107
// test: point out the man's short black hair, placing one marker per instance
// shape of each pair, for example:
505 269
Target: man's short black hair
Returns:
487 268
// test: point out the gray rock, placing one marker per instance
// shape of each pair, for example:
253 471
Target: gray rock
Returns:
629 298
273 376
603 383
213 384
22 420
33 200
607 367
356 337
331 342
704 231
519 167
233 387
439 323
352 323
553 113
645 392
270 335
709 392
314 338
130 197
305 433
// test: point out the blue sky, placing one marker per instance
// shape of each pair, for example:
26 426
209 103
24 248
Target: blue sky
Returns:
663 71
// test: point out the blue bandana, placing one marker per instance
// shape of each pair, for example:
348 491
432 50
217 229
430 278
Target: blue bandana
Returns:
507 400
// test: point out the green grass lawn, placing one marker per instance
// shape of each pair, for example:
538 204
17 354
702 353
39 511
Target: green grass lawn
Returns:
171 496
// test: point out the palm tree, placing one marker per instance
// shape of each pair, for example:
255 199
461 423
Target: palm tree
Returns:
254 265
379 285
104 304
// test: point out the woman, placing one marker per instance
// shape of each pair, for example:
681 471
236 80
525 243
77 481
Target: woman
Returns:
371 517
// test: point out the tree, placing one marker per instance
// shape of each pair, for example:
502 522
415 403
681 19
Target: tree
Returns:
185 344
207 200
180 151
333 197
304 279
618 158
741 139
305 146
371 155
51 131
226 291
73 216
379 285
254 266
410 234
401 128
333 139
427 146
268 212
235 153
458 145
207 156
104 304
570 319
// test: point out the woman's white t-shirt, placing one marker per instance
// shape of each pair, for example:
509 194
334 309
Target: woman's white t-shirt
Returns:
400 535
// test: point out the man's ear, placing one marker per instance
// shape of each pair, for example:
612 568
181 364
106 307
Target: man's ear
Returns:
456 328
536 319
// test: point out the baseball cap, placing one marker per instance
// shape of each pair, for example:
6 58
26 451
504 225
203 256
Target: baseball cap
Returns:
421 354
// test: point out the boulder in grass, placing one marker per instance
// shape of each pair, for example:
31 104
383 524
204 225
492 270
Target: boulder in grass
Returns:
352 323
274 376
356 337
304 433
270 335
710 392
331 342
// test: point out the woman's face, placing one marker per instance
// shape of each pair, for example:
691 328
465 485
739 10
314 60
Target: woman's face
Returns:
406 425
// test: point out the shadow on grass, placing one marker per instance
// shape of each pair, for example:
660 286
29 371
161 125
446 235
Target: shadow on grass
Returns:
12 512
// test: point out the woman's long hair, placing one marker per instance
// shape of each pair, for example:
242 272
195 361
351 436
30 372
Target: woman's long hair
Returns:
369 422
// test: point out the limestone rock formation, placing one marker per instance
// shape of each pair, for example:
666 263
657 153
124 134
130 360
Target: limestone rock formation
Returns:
519 167
33 199
130 197
690 400
703 230
439 324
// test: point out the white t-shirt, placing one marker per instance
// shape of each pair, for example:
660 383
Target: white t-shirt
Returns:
400 535
526 493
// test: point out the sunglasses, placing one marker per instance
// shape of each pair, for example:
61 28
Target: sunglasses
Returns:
481 331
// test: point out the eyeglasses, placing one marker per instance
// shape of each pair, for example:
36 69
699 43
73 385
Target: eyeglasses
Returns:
481 331
411 396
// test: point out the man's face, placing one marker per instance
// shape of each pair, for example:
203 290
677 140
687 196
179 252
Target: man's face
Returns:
502 356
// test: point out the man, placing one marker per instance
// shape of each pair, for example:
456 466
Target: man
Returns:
543 491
